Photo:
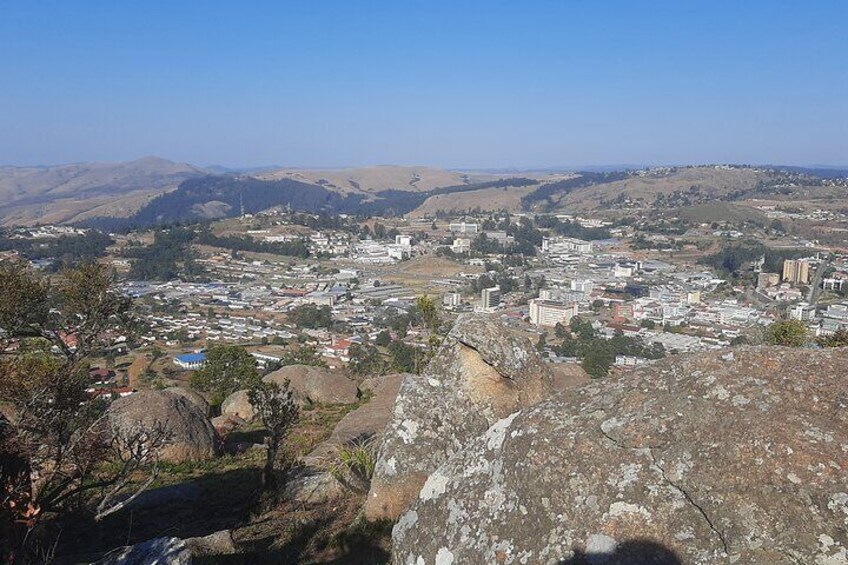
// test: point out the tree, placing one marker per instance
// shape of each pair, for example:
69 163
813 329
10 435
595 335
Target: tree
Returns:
383 338
792 333
583 328
55 431
429 312
227 368
306 355
276 408
311 316
366 360
597 360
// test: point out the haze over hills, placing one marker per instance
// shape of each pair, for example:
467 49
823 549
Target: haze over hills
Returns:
153 190
73 192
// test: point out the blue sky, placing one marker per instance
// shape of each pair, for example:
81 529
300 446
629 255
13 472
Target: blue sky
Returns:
453 84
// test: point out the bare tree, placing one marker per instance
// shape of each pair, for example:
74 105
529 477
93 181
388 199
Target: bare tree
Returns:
58 451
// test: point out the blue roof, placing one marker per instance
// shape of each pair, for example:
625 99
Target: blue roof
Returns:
192 358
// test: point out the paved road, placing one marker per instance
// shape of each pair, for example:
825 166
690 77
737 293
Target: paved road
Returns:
815 284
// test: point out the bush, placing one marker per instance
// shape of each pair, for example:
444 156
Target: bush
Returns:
791 333
355 465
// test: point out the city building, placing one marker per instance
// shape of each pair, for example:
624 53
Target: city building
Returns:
549 313
565 245
765 280
802 311
190 361
461 245
796 271
462 227
491 297
451 300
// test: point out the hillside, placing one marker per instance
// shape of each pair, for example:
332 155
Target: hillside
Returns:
65 193
213 197
679 187
378 178
487 199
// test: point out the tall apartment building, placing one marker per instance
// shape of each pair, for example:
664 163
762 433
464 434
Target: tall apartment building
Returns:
491 297
796 271
549 313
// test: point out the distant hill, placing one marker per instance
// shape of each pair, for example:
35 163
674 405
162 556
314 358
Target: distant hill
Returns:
213 197
64 193
379 178
679 187
152 190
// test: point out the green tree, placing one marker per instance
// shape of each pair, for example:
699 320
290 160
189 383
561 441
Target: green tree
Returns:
383 338
276 408
792 333
366 360
311 316
228 368
429 311
597 360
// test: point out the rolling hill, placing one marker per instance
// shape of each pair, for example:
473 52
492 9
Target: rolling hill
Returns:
67 193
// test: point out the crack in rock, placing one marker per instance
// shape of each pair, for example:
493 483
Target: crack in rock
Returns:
680 489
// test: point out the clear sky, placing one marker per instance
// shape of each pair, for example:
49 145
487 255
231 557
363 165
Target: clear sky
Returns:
455 84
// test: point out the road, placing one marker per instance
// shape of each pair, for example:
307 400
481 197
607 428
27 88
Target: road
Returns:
815 284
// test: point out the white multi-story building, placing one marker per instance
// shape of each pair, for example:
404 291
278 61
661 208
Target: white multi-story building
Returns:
451 299
462 227
565 245
549 313
461 245
491 297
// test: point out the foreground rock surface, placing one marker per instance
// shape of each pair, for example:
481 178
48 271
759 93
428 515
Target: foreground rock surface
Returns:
158 551
715 458
191 435
316 384
481 373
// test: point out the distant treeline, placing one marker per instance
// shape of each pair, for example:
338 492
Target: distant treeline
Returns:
545 192
66 250
171 256
734 258
228 196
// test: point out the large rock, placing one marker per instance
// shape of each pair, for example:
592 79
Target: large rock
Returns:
711 458
158 551
238 404
567 376
316 384
366 424
191 436
193 396
481 373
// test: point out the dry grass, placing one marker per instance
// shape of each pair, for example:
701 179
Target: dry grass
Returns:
375 179
489 199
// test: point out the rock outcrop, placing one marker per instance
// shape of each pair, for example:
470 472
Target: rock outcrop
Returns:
482 372
365 424
725 457
316 384
157 551
192 395
238 404
191 436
